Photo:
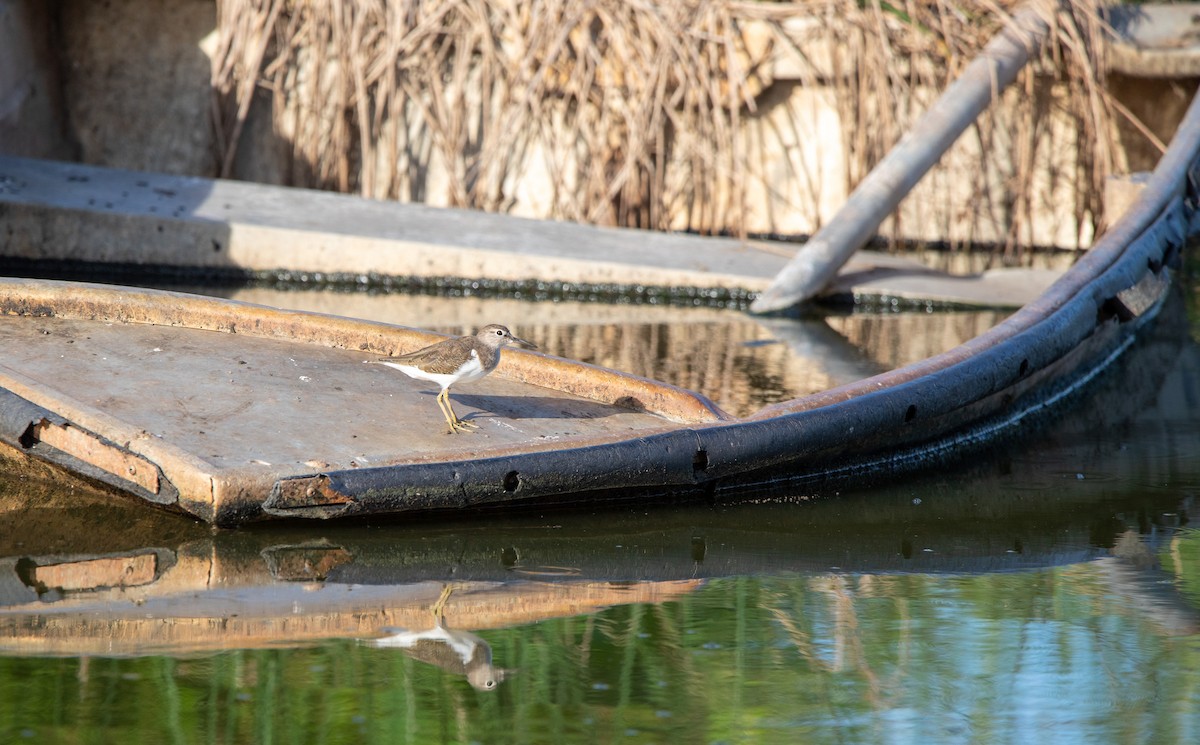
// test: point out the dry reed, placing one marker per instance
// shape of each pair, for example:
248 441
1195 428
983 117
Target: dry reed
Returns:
632 106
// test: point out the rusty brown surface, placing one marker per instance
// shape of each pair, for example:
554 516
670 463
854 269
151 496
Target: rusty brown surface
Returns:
1141 297
308 493
91 449
305 563
89 574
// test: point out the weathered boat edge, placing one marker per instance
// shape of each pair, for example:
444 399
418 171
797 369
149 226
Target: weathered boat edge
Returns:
900 421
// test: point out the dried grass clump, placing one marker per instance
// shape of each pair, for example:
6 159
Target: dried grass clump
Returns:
373 93
633 107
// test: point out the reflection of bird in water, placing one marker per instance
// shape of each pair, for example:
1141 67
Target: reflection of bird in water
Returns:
458 652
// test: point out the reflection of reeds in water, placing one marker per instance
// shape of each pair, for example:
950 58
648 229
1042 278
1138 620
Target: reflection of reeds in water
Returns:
741 366
857 656
736 364
740 363
899 339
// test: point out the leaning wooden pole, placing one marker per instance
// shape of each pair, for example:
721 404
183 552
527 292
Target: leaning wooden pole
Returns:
818 260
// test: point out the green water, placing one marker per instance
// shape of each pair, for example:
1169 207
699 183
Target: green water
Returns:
1052 655
1047 594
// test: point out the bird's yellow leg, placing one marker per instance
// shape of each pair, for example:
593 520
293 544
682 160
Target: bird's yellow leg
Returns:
451 420
439 608
455 423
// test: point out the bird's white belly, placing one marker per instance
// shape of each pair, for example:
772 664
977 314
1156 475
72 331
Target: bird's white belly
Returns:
470 370
462 642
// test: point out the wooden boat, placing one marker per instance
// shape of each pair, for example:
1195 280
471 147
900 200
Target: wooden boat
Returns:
233 412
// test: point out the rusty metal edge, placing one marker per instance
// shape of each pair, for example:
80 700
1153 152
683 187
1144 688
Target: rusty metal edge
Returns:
817 262
19 422
664 460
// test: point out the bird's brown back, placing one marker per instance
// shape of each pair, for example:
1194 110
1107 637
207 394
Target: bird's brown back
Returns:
447 356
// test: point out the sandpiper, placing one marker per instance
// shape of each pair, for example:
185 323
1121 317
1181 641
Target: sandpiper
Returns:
453 650
458 360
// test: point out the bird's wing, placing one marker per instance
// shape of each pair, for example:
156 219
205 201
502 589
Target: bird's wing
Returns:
434 359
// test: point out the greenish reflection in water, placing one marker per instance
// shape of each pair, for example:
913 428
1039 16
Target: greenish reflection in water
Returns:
1049 595
1051 655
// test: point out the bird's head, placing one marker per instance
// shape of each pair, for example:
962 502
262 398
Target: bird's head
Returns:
496 336
486 677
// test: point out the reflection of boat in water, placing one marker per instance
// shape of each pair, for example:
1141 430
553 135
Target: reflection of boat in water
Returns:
211 599
219 596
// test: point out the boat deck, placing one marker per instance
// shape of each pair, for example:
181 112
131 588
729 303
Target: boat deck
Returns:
197 401
236 401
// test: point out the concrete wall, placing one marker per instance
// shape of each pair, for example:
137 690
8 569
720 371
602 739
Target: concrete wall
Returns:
127 83
136 83
32 117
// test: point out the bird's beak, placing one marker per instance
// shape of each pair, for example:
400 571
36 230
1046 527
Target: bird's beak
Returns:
521 342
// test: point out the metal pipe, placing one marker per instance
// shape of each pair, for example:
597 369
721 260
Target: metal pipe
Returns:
818 260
